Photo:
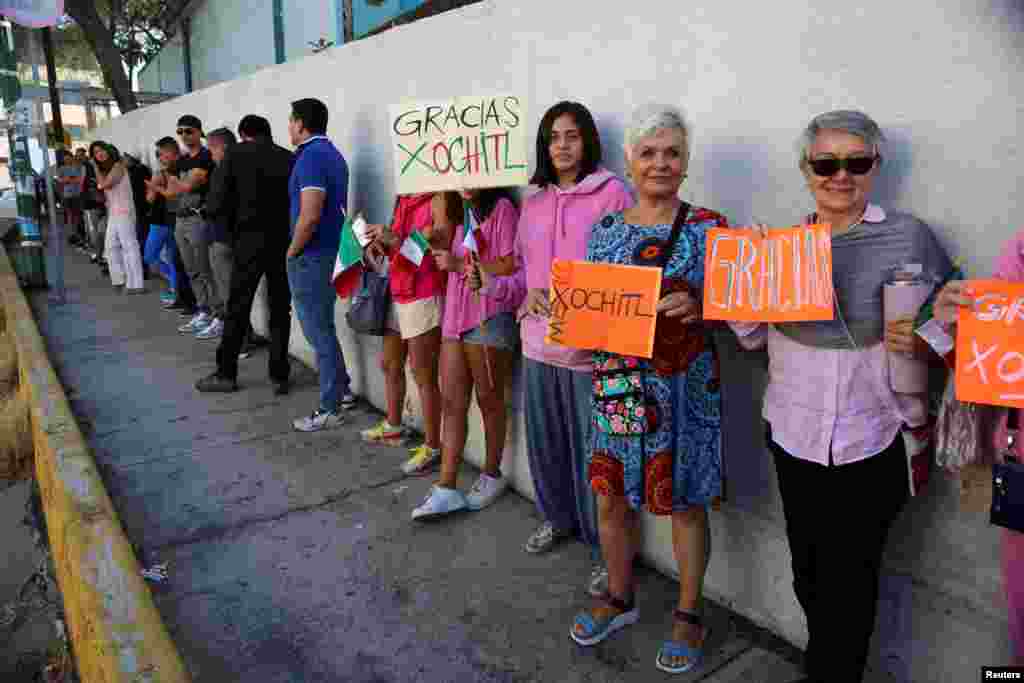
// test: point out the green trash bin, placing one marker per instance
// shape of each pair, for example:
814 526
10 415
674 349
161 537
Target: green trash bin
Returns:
29 263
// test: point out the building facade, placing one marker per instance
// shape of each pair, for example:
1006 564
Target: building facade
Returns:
271 32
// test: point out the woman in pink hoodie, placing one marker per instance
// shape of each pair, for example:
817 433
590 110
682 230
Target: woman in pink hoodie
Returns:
575 192
418 304
1009 266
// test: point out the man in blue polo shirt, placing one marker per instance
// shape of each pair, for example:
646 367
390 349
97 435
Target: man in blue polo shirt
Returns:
318 190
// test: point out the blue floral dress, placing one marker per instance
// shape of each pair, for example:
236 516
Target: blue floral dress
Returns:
677 463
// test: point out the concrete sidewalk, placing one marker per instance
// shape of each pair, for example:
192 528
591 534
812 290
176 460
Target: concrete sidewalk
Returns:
291 556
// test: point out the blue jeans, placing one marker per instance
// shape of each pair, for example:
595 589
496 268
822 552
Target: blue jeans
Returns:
313 296
160 236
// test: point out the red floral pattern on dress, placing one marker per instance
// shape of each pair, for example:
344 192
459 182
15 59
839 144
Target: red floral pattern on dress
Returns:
676 344
606 474
658 483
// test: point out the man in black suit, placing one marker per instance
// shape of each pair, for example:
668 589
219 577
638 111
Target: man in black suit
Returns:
254 188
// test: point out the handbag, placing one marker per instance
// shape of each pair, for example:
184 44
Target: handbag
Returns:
1008 484
621 407
370 305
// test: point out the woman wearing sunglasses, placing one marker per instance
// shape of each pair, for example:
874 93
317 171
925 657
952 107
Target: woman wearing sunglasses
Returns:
835 427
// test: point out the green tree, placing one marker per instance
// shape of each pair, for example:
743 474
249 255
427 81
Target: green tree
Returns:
123 35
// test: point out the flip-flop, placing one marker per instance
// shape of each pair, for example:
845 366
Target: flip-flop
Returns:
595 630
673 649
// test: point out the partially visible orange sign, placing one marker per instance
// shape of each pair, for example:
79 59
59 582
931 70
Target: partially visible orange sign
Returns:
604 306
990 345
784 277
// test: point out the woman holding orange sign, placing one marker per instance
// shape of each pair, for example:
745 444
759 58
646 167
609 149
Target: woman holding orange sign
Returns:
574 192
955 295
657 422
836 427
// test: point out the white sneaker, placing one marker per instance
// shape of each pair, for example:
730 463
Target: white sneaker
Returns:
440 501
318 421
212 331
198 322
485 491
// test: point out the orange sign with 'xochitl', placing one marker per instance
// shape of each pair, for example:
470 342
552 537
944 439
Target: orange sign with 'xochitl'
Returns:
604 306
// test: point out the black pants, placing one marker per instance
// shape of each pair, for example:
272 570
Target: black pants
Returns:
256 255
837 521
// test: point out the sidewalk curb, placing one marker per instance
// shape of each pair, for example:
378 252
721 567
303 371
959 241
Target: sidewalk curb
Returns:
116 632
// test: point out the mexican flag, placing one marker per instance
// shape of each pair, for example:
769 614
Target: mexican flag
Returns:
348 268
415 247
474 241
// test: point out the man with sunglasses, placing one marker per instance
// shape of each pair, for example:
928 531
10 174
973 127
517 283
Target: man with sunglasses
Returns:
191 232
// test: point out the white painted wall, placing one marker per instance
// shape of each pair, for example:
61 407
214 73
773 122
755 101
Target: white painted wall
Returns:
943 79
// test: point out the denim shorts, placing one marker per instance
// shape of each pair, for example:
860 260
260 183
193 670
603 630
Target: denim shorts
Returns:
502 332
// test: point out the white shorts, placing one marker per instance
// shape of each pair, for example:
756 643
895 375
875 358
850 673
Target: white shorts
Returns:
417 317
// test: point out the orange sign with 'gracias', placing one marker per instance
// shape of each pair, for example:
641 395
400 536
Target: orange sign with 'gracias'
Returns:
785 276
604 306
990 345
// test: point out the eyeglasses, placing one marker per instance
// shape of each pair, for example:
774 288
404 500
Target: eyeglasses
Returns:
186 131
828 166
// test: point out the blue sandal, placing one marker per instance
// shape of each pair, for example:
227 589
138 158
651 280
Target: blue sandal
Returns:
673 649
594 630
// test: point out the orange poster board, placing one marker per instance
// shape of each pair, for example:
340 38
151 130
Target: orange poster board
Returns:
990 345
604 306
784 277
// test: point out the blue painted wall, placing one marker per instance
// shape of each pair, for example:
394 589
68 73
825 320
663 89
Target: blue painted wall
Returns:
367 16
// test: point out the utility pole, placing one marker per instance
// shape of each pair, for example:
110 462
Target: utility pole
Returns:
51 77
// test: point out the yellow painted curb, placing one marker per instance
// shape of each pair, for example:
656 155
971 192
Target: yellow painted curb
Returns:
115 629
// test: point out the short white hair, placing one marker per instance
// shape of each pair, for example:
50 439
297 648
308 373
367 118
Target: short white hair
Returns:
848 121
651 118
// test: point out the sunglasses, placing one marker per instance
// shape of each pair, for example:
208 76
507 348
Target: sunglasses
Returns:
186 131
828 166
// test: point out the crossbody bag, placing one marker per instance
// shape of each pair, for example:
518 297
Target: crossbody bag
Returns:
621 405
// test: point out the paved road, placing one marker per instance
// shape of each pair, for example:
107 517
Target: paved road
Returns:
292 557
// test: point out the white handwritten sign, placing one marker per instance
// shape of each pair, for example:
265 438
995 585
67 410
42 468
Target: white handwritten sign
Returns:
465 142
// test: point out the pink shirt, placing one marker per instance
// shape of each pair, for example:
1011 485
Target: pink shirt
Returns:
465 309
831 403
556 223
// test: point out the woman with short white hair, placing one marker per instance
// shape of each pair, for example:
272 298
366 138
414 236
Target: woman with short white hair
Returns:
835 426
656 440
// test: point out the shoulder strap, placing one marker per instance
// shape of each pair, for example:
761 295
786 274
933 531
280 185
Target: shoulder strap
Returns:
677 229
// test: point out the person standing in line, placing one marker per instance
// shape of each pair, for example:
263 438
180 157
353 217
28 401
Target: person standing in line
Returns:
318 198
122 247
155 251
139 173
842 472
70 180
253 186
161 238
190 188
417 294
219 224
478 355
575 192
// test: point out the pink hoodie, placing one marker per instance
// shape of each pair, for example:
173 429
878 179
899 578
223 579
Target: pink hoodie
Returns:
556 223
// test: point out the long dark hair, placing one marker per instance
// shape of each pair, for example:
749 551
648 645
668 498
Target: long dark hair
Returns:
113 156
545 173
485 200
